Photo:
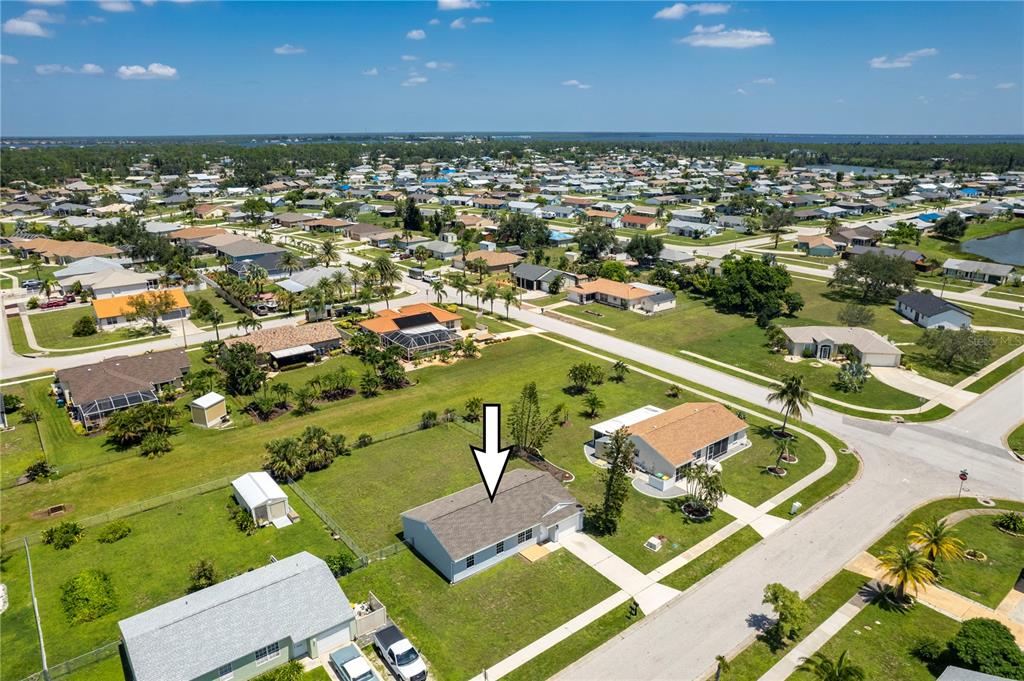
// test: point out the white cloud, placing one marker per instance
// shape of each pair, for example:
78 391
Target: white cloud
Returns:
961 76
8 59
434 22
481 20
741 91
373 73
92 20
459 23
413 81
733 38
576 84
681 9
116 6
154 71
439 65
91 69
31 23
764 81
1006 86
51 69
409 57
416 34
449 5
902 62
288 48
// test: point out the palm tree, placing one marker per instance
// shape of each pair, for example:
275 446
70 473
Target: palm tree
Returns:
619 371
215 317
509 297
283 391
480 265
824 669
594 404
793 396
257 276
937 539
461 284
437 286
722 666
341 282
490 293
908 567
328 251
248 324
288 299
387 274
290 261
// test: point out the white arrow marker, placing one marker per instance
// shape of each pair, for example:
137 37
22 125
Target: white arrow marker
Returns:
491 460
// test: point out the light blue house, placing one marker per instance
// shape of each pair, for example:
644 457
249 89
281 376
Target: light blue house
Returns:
242 627
464 533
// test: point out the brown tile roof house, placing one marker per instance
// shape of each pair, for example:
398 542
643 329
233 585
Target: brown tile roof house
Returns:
94 391
464 533
497 261
361 230
62 252
195 233
288 342
638 221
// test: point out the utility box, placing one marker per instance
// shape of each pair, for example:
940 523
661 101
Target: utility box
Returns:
795 508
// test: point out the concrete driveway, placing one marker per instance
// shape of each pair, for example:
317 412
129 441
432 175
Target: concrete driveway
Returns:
916 384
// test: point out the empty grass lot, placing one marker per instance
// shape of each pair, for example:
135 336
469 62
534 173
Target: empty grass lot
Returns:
148 567
53 329
463 628
230 312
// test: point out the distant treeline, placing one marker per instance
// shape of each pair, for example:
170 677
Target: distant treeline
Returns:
257 165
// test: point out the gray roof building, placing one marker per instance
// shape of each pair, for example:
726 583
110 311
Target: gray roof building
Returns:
292 600
952 673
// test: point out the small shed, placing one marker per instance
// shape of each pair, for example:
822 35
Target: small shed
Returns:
263 498
209 411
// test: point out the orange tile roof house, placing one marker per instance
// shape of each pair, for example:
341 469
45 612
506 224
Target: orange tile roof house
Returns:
58 252
636 297
636 222
209 210
418 329
669 441
117 310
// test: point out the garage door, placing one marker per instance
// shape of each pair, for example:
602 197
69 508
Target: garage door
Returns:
332 638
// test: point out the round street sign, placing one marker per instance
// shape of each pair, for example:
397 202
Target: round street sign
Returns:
963 475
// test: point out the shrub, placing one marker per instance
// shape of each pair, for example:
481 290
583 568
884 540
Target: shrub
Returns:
928 649
114 532
290 671
154 445
364 440
88 596
243 521
428 419
340 563
84 326
32 303
987 646
12 403
1011 521
808 352
63 535
201 574
40 470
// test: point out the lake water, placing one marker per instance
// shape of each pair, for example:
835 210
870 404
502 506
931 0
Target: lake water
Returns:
1005 248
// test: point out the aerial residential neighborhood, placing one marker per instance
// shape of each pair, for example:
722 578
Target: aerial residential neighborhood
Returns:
553 393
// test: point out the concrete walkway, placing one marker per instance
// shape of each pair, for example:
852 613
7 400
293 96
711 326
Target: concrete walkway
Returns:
646 591
916 384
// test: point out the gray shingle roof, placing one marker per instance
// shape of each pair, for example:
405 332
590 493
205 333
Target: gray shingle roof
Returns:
928 304
121 375
467 521
295 598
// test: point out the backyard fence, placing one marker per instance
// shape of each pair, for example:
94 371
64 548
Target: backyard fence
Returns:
131 509
329 521
74 664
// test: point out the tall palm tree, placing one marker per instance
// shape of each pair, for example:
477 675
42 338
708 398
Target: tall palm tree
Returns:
437 286
328 252
509 297
288 299
249 324
938 540
215 317
461 284
490 293
793 396
387 274
908 567
824 669
341 282
290 261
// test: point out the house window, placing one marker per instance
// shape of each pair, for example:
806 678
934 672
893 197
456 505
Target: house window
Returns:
471 561
225 672
524 536
500 547
268 653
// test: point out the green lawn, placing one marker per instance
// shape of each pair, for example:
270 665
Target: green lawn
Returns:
880 640
745 475
1016 439
230 312
933 511
493 323
709 561
149 567
940 249
845 469
53 330
988 581
996 375
463 628
758 657
564 653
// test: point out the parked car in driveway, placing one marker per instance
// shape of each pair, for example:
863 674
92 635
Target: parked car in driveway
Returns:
350 665
399 655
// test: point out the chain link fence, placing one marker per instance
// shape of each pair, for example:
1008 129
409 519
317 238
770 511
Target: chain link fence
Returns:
74 664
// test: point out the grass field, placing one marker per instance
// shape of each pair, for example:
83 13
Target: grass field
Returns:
230 312
463 628
880 641
149 567
1016 439
997 375
711 560
53 330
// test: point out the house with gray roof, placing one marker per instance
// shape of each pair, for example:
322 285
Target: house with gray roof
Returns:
464 533
538 277
242 627
973 270
926 309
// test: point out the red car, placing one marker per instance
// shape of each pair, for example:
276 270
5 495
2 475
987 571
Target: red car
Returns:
50 304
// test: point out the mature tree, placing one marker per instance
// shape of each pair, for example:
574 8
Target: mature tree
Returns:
988 646
460 282
555 285
793 396
529 428
877 276
387 274
964 346
908 568
151 307
854 314
509 297
328 252
201 574
285 459
704 485
937 539
129 426
594 241
490 294
412 218
240 363
84 326
437 286
754 286
776 337
527 231
903 233
776 222
951 226
582 375
821 667
645 248
614 270
290 261
790 613
621 453
253 208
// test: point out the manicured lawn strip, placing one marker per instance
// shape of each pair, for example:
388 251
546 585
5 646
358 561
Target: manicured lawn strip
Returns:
230 312
996 375
19 341
846 468
564 653
986 582
149 567
463 628
711 560
53 330
939 411
492 322
547 300
745 474
757 658
932 511
880 640
104 670
1016 439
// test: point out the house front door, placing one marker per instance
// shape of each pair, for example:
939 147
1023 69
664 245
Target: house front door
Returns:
824 351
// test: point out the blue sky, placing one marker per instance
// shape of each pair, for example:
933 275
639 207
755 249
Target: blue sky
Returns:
136 68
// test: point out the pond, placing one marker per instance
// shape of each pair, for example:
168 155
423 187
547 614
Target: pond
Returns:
1005 248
